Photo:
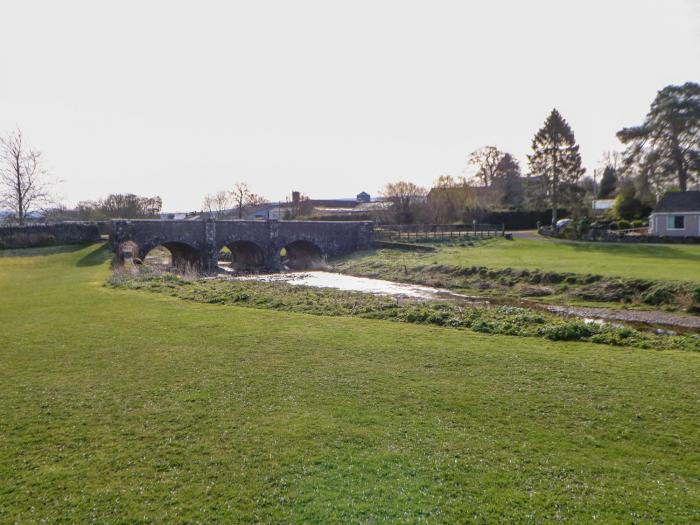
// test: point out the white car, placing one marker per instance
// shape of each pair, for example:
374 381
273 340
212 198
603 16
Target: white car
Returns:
562 223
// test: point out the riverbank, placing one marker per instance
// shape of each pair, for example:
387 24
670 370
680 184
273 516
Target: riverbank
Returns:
492 280
454 313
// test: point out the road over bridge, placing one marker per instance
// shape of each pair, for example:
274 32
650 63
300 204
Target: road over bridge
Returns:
254 245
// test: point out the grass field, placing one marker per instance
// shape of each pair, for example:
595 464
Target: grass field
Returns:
644 261
129 407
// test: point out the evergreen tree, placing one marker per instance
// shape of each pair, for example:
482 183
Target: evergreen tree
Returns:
556 162
608 183
507 180
667 145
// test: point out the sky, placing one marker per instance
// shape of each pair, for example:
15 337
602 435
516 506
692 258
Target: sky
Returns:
181 99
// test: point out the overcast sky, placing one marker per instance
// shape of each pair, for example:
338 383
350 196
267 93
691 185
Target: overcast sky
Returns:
179 99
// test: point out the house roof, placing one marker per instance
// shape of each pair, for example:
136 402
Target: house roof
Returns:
678 201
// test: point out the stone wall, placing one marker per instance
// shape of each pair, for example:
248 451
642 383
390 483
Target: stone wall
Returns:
35 235
600 235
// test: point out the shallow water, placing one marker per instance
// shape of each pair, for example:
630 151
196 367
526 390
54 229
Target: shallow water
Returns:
321 279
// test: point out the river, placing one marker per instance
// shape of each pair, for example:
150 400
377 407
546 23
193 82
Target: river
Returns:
324 279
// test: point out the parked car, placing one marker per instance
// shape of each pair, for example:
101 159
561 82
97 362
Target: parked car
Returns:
562 223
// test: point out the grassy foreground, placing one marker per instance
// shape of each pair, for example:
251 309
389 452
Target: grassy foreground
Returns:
642 261
128 407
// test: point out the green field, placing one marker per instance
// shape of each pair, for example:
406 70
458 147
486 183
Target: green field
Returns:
132 407
644 261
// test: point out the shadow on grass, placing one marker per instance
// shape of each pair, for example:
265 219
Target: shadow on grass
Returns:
98 256
43 250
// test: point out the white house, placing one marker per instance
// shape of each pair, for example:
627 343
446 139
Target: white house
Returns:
676 215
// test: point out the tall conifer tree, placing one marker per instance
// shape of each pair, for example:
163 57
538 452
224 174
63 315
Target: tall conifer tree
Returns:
608 183
556 161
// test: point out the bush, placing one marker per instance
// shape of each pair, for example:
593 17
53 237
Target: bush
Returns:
571 331
660 294
622 224
696 294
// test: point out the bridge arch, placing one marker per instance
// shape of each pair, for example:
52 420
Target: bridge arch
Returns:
302 254
246 255
183 255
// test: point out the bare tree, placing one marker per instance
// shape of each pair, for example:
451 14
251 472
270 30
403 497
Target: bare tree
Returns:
217 204
240 194
240 198
486 161
406 197
254 200
208 203
24 183
222 202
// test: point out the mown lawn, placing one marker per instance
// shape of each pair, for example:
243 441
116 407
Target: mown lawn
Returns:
129 407
644 261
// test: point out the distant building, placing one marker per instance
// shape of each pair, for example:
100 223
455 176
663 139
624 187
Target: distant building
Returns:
602 205
676 215
299 206
173 216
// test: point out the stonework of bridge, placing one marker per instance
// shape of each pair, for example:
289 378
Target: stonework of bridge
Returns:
254 245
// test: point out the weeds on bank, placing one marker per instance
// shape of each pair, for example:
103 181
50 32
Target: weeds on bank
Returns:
506 320
530 283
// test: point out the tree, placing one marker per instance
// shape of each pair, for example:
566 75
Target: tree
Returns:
556 162
405 198
447 199
507 180
240 195
128 206
667 144
254 200
24 184
628 204
217 204
608 183
117 206
589 187
486 161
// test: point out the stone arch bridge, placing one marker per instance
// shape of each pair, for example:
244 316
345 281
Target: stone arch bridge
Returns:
254 245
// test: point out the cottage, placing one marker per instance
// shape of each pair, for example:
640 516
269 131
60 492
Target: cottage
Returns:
676 215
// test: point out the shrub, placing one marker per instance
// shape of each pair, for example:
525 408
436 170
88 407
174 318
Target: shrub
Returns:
696 294
570 331
622 224
660 294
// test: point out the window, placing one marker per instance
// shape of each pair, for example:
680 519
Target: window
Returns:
675 222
